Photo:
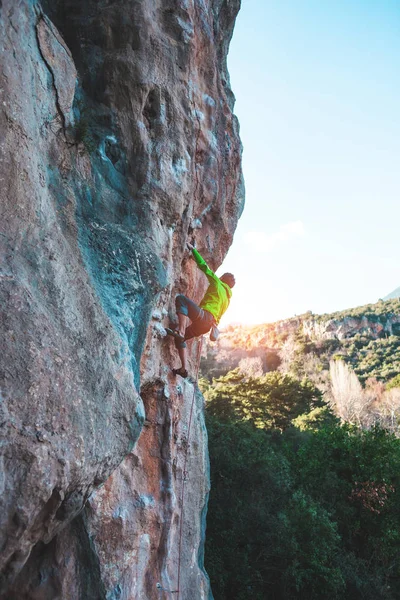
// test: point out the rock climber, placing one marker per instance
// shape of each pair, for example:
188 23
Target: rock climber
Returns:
204 316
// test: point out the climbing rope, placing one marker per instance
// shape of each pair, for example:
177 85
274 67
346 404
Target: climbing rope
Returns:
185 464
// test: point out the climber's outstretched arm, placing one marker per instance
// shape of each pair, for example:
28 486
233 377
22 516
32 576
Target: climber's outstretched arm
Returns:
201 263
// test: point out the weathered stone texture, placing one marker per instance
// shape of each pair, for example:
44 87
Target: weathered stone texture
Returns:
118 144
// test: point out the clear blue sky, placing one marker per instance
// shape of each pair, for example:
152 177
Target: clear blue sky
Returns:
317 88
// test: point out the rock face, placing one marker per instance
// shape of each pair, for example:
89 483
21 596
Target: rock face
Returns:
350 326
118 144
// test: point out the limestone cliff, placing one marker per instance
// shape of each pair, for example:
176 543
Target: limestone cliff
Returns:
118 145
263 342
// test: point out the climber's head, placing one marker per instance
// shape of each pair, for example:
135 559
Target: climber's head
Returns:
229 279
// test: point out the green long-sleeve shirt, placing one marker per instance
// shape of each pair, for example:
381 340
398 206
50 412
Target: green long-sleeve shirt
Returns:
217 297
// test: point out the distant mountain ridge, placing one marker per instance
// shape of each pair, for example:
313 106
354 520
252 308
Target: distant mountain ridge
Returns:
393 295
367 337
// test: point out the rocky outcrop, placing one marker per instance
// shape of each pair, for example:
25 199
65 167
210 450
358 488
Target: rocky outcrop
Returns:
248 340
326 328
118 145
350 326
263 343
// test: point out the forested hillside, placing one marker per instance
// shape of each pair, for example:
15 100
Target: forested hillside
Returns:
367 338
303 420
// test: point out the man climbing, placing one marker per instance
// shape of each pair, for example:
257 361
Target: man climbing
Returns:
206 315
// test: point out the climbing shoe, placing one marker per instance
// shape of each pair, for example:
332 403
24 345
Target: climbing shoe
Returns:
175 333
181 371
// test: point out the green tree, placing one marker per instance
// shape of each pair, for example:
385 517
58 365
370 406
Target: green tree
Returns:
298 513
270 401
393 383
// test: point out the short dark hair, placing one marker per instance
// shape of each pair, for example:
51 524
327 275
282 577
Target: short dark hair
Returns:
229 279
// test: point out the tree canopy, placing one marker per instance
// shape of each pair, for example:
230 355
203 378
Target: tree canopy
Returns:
301 506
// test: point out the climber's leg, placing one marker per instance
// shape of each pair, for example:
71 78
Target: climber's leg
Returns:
186 308
183 356
194 330
202 322
180 345
182 323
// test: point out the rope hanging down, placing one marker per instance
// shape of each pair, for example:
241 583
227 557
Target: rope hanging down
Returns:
159 586
185 464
